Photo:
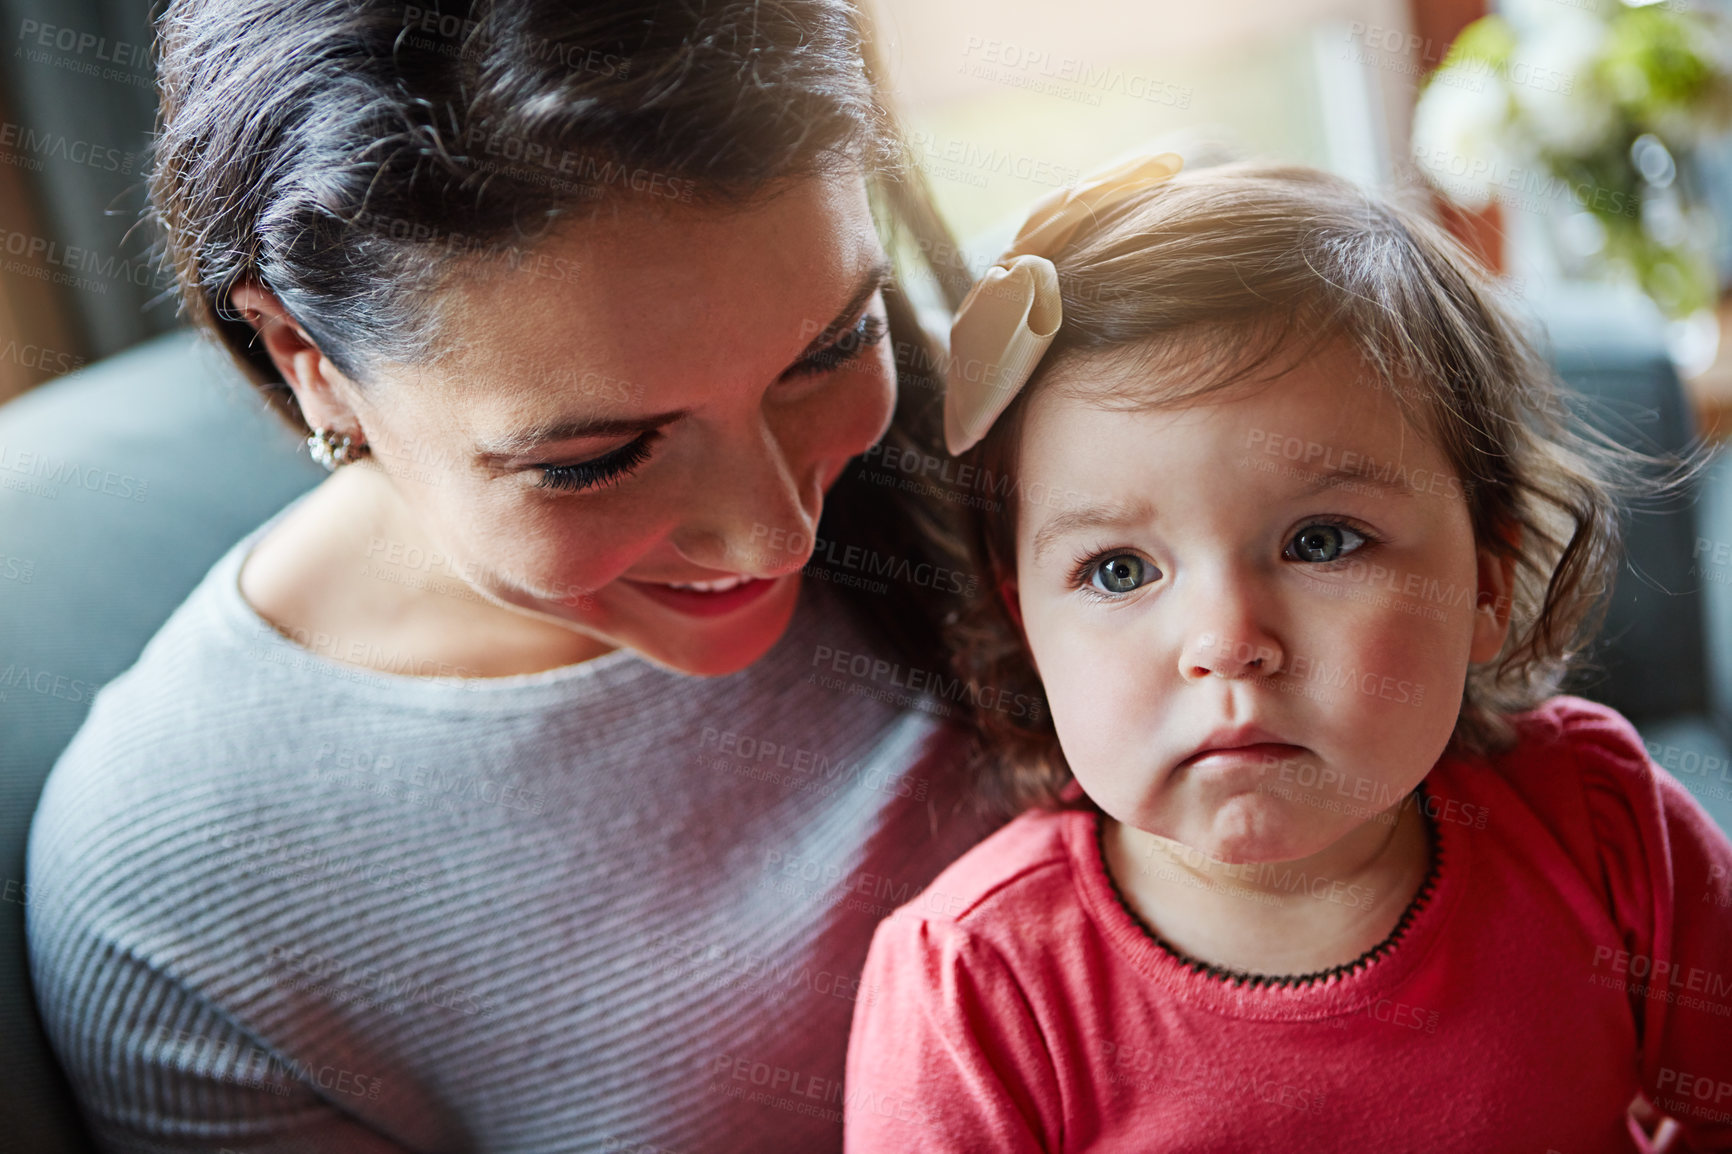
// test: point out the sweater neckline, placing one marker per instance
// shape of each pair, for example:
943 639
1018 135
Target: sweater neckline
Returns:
1323 993
251 631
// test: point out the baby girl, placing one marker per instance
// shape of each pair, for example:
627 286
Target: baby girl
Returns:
1314 855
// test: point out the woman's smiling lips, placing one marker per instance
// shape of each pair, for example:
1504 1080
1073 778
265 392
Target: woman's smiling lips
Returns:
706 598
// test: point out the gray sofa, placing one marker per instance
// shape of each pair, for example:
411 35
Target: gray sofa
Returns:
144 468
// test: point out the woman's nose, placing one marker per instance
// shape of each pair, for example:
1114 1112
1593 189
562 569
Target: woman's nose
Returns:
753 511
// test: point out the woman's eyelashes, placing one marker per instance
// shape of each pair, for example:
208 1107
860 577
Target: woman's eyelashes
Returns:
602 470
867 332
621 462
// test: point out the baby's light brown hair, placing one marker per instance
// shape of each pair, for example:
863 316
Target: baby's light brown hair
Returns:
1232 274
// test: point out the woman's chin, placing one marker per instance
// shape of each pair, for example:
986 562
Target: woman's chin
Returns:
719 646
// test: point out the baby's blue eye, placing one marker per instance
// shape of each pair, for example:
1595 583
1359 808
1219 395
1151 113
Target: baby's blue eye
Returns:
1122 573
1323 542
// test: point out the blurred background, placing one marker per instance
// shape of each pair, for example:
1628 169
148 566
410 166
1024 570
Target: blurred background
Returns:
1580 147
1567 140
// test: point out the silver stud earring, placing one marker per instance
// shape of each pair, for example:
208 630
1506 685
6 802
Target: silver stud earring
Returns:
332 449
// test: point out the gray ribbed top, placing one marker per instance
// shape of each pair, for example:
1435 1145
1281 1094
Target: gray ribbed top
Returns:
282 903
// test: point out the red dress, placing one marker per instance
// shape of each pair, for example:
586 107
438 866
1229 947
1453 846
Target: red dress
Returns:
1571 944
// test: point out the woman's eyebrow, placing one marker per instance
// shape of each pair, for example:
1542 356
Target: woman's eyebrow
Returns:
874 279
526 440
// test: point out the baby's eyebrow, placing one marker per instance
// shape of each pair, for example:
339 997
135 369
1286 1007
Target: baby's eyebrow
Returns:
1105 516
1343 477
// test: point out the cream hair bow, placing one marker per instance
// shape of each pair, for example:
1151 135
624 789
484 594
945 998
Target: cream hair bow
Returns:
1012 314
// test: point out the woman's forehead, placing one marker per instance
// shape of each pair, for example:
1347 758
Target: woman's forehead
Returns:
651 298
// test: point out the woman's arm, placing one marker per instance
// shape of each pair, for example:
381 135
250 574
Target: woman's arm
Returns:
158 1071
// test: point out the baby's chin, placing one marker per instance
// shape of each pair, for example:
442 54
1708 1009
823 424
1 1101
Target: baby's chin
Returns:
1244 829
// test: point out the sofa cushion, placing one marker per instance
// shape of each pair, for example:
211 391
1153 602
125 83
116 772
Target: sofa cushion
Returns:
120 485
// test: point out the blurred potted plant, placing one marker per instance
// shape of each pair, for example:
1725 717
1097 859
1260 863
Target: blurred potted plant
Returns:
1589 111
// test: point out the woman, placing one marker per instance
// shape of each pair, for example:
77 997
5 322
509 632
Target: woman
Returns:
511 791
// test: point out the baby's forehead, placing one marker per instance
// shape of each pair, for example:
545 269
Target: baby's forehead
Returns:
1318 384
1317 423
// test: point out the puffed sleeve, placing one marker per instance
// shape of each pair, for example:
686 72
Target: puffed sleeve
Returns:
945 1053
1667 869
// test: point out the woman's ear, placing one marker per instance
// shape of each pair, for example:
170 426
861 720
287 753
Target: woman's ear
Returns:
321 390
1494 598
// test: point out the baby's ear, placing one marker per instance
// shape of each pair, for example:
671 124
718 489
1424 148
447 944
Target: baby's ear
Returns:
1494 598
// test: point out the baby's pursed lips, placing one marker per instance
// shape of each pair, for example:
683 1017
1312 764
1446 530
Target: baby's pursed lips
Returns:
1236 737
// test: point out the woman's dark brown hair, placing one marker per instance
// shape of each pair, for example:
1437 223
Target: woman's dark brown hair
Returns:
352 156
1231 274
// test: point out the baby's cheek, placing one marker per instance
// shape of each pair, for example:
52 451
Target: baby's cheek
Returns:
1409 690
1103 712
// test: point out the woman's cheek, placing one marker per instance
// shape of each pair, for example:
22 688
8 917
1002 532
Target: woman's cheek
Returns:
559 556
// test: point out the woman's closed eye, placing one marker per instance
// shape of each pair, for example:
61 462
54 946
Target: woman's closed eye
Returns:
619 463
867 332
603 470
